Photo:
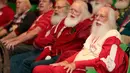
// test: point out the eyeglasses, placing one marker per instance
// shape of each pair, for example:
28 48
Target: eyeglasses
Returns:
59 7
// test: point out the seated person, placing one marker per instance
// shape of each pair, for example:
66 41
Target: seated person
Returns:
24 41
6 14
122 6
124 20
101 50
23 19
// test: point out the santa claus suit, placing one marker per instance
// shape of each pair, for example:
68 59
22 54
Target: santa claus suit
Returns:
102 53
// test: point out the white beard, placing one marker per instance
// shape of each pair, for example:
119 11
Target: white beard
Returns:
55 19
96 6
121 4
99 31
71 22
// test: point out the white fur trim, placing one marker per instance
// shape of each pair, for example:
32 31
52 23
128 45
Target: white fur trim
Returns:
48 57
48 47
109 61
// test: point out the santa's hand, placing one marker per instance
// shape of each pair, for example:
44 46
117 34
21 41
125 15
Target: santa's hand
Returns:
64 63
70 67
10 46
5 42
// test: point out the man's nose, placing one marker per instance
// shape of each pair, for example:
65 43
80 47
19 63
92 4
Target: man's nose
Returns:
97 18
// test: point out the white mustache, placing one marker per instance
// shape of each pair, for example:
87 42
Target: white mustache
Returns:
98 22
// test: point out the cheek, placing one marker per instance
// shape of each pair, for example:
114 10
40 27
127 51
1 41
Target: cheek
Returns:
76 14
103 20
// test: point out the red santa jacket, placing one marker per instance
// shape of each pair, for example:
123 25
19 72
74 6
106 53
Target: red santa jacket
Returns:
71 38
107 61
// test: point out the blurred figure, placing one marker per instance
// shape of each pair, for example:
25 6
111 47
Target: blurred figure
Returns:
6 14
122 6
124 19
97 4
101 50
23 19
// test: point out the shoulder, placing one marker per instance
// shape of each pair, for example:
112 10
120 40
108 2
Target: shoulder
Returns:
49 13
114 33
46 15
113 36
7 10
31 13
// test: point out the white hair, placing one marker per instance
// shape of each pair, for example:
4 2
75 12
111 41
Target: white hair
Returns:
112 18
84 8
106 26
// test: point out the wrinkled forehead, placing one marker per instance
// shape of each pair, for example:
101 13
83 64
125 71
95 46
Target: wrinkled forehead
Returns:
21 1
61 3
44 0
100 0
122 0
103 11
76 6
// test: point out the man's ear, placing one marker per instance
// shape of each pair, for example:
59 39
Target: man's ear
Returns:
51 5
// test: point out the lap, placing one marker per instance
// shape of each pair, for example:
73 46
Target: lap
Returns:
45 62
52 69
21 48
28 55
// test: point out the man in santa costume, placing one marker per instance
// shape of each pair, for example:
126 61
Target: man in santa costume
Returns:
101 50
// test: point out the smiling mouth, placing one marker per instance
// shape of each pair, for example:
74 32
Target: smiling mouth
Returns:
72 16
41 6
98 24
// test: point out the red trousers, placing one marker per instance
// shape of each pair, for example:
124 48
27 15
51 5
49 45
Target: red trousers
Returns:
52 69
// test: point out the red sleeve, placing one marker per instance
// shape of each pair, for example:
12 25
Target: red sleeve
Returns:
104 53
71 58
6 16
84 63
44 20
42 40
10 14
85 28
